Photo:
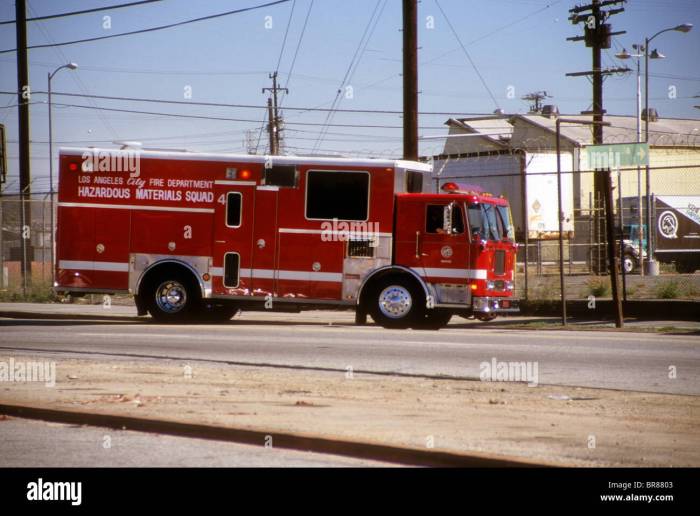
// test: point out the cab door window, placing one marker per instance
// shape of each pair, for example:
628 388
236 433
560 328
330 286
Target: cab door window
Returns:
435 219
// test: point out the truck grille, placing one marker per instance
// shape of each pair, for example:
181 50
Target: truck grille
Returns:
499 262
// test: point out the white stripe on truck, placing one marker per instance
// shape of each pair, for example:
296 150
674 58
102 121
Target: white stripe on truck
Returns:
94 266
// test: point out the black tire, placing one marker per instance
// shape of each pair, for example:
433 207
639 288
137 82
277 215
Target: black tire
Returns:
486 317
686 267
172 296
629 264
435 319
214 312
360 316
397 302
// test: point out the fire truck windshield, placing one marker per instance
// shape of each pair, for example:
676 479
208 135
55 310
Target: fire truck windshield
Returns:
487 221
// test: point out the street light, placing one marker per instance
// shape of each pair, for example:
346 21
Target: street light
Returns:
651 265
637 55
561 211
70 66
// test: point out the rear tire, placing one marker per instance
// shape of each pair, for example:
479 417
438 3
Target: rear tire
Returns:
397 302
172 297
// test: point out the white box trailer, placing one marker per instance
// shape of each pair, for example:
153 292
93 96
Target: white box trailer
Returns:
511 174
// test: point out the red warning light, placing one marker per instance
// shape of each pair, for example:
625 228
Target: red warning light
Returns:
72 167
450 187
244 174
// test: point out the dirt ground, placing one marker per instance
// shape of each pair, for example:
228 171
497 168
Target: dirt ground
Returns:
557 425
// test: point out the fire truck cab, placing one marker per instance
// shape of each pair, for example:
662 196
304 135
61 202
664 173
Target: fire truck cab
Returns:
200 236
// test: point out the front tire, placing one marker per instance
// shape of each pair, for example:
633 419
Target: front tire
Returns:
629 264
397 303
686 267
435 319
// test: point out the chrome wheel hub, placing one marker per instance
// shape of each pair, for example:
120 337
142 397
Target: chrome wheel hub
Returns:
171 297
395 302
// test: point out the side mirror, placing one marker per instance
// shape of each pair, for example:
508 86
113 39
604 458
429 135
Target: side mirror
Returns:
447 219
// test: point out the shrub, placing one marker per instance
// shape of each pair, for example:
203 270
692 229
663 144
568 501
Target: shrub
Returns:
668 290
598 287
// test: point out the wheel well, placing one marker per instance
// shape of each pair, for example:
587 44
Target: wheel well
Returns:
381 275
163 268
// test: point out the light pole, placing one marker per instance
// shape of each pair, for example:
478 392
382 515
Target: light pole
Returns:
651 265
70 66
560 209
640 222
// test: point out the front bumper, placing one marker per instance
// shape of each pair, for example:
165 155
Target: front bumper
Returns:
495 305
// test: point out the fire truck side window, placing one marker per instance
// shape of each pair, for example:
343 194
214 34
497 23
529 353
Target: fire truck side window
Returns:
435 219
232 264
234 205
337 195
281 175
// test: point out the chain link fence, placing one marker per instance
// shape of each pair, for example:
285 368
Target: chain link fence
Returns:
530 183
26 231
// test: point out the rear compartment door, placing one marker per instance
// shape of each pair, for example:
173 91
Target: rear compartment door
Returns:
233 234
264 273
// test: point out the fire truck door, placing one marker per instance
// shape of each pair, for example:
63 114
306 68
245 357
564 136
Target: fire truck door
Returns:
233 233
264 264
444 246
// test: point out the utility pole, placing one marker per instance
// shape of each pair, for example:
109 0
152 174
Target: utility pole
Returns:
273 126
536 98
23 97
410 79
597 36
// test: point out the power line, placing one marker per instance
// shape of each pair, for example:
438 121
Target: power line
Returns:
243 106
286 33
86 11
75 77
204 117
153 29
351 66
466 53
296 51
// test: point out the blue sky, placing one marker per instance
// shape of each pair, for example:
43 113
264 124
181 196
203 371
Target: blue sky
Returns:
518 46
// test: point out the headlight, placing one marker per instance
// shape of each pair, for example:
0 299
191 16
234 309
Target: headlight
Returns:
509 285
490 285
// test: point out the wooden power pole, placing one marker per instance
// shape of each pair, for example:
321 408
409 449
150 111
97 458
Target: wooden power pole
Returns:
597 35
23 97
410 79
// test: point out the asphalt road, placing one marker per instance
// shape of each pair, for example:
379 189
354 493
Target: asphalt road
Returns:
325 340
37 444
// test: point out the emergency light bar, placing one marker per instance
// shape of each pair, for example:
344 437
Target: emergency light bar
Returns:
462 188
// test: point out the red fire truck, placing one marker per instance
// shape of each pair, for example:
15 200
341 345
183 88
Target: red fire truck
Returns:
200 236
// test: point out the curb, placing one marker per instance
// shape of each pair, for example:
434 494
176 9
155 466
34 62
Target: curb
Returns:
299 442
19 314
